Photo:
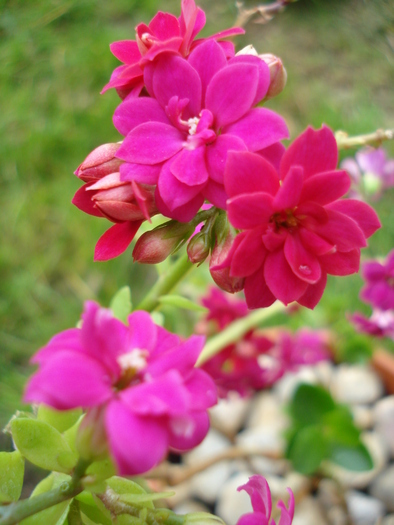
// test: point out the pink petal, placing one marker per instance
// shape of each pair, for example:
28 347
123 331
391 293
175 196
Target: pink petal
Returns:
249 255
310 214
191 21
287 514
327 187
231 92
303 263
66 340
289 193
313 293
217 154
174 76
259 128
126 51
115 240
136 443
188 431
83 200
135 111
316 151
141 173
257 293
171 45
207 59
260 495
189 166
69 380
246 172
164 26
341 230
173 192
184 213
182 358
215 193
341 263
249 210
202 390
142 331
281 280
314 243
253 518
151 143
360 212
273 154
264 74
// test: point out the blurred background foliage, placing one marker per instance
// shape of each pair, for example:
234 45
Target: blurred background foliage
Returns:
55 59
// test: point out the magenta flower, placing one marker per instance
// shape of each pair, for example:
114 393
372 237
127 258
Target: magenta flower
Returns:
141 379
380 324
295 228
223 309
164 34
305 347
200 109
379 286
260 496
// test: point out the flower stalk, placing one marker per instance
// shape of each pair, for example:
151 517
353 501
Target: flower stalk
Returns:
374 139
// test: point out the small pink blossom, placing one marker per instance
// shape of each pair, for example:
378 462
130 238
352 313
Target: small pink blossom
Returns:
380 324
165 33
140 379
296 229
379 286
198 110
260 496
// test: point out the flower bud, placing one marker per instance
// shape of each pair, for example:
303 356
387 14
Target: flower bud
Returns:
198 248
156 245
278 74
91 440
99 163
224 238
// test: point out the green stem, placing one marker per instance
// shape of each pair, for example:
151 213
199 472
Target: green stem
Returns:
16 512
236 330
376 138
165 284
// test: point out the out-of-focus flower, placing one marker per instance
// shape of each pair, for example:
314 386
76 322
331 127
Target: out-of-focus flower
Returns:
379 286
199 110
260 496
165 33
380 324
139 377
223 309
296 229
371 172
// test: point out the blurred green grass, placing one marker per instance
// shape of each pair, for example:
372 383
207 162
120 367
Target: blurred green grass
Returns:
55 59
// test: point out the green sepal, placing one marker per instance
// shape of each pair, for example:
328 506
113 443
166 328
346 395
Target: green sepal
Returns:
124 487
42 445
181 302
61 420
120 304
12 468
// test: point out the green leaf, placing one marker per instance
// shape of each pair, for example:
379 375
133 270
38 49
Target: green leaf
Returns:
310 403
70 434
88 506
61 420
42 445
308 449
140 499
340 429
121 303
181 302
12 467
355 458
124 486
101 470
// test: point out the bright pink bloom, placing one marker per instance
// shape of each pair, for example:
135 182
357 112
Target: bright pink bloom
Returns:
200 109
141 377
380 324
164 34
296 229
305 347
223 309
260 496
379 287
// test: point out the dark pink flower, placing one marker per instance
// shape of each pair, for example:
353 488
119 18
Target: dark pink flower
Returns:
379 286
199 109
295 228
380 324
223 309
165 33
260 496
140 378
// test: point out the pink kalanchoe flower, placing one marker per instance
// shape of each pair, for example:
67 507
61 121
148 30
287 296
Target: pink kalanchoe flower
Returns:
223 309
305 347
380 324
165 33
379 287
295 227
140 378
199 109
260 496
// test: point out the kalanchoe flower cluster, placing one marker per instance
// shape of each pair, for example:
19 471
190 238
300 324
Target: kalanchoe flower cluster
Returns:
378 291
371 172
260 496
256 361
296 229
137 382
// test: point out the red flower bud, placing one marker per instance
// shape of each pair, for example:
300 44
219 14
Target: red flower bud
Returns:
198 248
278 74
99 163
156 245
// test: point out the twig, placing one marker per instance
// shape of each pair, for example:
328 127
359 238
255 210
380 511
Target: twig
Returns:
266 12
376 138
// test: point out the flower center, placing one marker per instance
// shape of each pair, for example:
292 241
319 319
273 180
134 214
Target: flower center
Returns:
284 219
193 123
131 364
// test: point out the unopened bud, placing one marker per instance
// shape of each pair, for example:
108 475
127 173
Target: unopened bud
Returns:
156 245
247 50
277 73
198 248
99 163
91 441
